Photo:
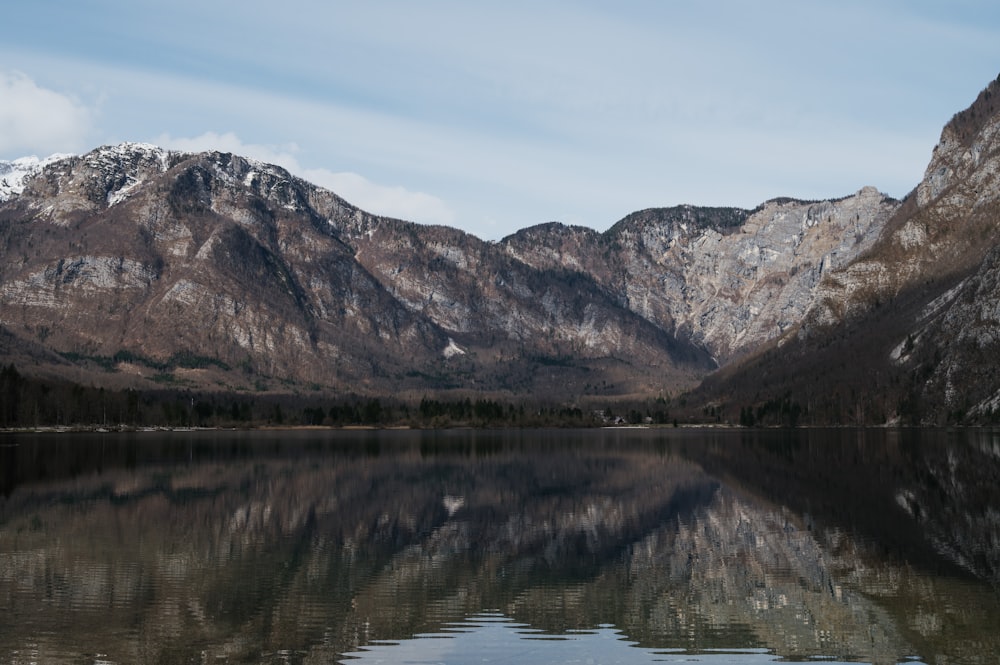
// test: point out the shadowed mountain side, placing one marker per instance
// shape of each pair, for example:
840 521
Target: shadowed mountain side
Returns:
908 331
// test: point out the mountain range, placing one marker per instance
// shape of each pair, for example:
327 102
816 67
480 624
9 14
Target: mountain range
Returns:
137 267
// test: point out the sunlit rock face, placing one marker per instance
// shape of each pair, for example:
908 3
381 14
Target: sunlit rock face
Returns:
957 336
945 227
725 278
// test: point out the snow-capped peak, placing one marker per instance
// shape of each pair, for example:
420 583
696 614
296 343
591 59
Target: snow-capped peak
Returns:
15 175
129 149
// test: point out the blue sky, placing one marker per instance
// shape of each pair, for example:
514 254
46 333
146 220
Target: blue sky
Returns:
495 116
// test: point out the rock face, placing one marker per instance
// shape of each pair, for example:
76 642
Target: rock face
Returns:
136 254
217 271
958 347
908 330
957 339
727 279
213 268
945 229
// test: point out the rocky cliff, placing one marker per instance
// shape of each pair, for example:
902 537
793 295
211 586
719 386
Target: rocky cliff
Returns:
215 271
154 259
907 330
727 279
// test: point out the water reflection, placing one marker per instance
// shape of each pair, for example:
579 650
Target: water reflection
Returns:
631 546
496 638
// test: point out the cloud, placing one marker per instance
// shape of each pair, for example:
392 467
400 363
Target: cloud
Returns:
595 111
388 200
35 120
392 201
230 142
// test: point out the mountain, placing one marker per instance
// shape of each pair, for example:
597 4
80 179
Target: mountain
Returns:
909 331
14 175
724 278
132 266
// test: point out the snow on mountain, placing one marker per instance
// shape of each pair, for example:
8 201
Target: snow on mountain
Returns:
14 175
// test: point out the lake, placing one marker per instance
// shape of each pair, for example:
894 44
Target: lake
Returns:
599 546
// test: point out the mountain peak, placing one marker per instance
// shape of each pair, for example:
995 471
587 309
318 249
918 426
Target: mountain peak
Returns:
127 150
966 125
15 174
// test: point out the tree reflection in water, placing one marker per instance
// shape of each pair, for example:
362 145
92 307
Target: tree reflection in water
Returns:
875 546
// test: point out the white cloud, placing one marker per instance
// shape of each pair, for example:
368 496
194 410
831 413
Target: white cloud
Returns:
230 142
392 201
35 120
388 200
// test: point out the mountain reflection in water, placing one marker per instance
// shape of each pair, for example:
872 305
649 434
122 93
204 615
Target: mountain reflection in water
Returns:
495 638
623 545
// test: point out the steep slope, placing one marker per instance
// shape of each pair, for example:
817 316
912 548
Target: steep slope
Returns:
213 270
136 254
726 279
505 309
954 374
908 330
14 175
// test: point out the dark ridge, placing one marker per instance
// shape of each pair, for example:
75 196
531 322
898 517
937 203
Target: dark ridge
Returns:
700 217
967 124
547 229
785 200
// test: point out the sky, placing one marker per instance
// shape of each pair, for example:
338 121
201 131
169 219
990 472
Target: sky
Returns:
492 117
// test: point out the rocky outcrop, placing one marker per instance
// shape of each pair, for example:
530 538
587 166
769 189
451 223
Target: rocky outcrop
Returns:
729 280
952 351
942 232
904 331
14 175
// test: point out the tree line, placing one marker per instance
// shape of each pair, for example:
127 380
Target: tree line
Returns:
28 402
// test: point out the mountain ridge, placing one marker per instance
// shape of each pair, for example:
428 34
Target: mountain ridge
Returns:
132 251
914 313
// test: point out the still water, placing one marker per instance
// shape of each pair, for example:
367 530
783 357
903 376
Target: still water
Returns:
610 546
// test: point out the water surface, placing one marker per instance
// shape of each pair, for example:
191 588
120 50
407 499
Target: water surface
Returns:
611 546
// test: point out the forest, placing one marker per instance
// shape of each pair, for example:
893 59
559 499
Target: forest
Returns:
30 403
